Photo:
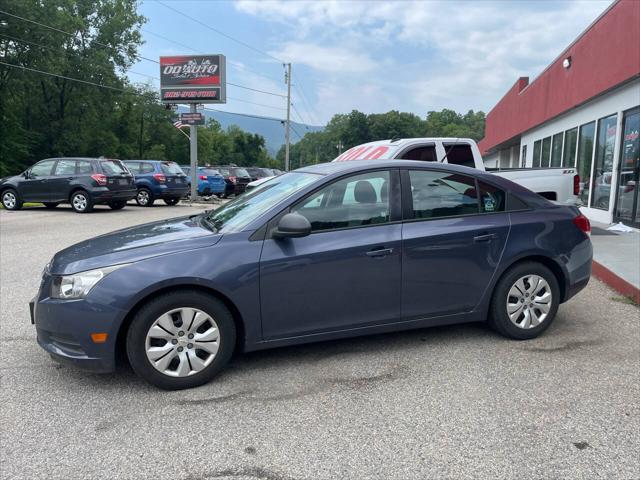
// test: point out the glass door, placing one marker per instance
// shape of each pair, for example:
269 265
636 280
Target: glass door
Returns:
627 209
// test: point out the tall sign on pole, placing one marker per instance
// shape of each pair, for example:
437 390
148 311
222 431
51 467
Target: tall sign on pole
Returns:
193 79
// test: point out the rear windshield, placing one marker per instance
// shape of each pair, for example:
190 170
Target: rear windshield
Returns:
113 167
209 171
186 169
223 171
171 168
241 172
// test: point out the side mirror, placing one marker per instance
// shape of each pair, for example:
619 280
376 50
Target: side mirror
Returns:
26 174
292 225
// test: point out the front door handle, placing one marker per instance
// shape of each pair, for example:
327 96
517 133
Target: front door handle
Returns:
485 237
380 252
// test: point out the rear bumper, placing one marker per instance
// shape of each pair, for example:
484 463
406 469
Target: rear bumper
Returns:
578 269
104 195
173 192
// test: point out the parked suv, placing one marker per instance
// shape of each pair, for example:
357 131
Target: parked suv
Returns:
257 173
82 182
210 182
236 179
158 179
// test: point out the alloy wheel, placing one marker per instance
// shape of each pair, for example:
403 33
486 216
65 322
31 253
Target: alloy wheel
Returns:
9 200
529 301
182 342
79 202
143 197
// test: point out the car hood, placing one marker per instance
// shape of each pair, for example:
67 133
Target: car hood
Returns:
133 244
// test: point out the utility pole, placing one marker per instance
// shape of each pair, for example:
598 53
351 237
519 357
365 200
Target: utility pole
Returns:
287 79
193 139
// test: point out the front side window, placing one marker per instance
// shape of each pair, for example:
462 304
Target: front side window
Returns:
355 201
442 194
42 169
65 167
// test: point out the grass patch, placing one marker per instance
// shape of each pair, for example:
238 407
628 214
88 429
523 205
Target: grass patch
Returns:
25 205
624 299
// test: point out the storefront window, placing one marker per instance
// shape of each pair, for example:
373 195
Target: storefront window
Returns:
585 156
569 154
556 150
628 201
546 152
603 168
537 148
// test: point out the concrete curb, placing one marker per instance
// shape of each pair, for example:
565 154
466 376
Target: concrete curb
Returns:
619 284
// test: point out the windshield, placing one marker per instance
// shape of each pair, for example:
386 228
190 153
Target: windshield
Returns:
113 167
240 172
171 168
238 213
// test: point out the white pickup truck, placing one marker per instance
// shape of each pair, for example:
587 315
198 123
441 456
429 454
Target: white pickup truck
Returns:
558 184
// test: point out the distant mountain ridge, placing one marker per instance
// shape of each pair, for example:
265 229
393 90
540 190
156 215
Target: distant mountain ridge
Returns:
271 129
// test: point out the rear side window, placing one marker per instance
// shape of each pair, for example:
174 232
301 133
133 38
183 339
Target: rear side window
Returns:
442 194
84 167
146 167
425 154
113 167
65 167
492 199
460 154
171 168
356 201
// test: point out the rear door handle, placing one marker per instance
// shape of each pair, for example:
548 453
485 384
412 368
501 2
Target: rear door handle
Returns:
380 252
485 237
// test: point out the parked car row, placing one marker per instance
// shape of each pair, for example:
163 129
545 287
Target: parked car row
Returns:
86 182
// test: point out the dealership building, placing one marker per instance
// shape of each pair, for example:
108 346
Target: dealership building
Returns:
582 111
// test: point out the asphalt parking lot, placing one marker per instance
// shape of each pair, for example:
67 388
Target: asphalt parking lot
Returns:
455 402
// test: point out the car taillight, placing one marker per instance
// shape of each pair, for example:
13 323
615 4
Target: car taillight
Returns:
233 179
202 177
100 178
576 184
160 178
583 224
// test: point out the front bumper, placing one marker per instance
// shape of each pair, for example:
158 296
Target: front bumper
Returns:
64 329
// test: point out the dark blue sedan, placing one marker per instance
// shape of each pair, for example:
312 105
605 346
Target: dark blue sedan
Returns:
329 251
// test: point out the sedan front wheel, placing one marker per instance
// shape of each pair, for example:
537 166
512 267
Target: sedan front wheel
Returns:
181 339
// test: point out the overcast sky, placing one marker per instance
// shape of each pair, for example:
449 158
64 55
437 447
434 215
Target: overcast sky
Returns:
371 56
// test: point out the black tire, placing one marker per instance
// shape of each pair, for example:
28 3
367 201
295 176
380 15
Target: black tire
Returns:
81 202
11 200
158 306
117 205
51 205
171 201
220 195
144 197
498 316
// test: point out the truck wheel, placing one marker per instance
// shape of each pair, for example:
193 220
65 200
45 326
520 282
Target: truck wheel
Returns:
11 200
180 339
144 198
525 301
81 202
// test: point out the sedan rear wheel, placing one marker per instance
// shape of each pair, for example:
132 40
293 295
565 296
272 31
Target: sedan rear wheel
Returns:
525 301
181 340
10 200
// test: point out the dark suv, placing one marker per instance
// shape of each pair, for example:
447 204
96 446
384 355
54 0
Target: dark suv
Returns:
158 179
82 182
236 179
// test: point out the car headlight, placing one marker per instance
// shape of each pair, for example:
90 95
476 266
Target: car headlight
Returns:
78 285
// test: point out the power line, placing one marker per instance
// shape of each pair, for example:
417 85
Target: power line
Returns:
139 56
244 44
296 132
303 123
306 103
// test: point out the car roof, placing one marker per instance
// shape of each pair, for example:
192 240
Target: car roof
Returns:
147 160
